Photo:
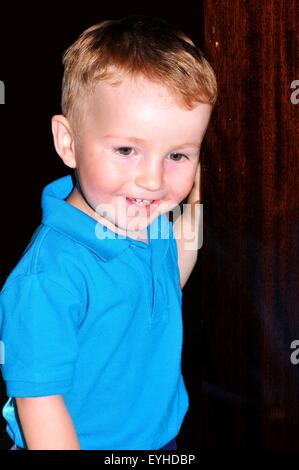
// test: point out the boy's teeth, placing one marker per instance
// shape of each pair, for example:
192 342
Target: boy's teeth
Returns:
143 201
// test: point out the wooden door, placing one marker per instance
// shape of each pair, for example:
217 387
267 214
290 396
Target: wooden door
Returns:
248 267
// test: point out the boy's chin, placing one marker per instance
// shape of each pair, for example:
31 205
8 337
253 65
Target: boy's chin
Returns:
137 226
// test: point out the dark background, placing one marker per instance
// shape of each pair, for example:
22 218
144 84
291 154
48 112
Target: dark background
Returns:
241 304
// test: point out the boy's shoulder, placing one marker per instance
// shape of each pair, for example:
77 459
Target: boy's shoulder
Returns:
54 254
49 253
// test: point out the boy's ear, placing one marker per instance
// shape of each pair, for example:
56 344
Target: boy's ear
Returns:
64 140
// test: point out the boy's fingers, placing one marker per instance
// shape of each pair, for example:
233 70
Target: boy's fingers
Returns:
201 186
198 172
199 182
197 176
196 192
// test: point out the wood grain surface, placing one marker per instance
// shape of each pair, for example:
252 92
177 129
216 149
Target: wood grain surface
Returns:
249 264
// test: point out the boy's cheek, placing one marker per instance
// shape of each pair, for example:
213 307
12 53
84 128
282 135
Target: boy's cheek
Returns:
188 187
181 190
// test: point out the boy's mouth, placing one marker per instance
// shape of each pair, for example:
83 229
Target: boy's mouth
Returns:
149 204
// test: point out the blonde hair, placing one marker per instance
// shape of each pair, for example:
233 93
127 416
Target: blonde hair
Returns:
136 45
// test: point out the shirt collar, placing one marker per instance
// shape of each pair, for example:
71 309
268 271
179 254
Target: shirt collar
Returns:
77 225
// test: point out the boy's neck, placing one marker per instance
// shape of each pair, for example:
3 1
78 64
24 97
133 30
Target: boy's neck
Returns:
76 200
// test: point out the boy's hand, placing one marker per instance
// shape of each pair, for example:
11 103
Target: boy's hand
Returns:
187 230
195 193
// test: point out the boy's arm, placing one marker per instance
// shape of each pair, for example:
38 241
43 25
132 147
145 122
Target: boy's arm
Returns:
187 230
47 424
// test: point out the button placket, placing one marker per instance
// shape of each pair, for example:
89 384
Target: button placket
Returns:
140 270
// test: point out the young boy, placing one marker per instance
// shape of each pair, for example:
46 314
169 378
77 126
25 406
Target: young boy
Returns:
91 315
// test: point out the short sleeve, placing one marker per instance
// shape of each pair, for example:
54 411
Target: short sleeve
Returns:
39 329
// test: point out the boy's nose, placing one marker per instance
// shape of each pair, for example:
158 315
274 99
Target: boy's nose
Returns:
150 178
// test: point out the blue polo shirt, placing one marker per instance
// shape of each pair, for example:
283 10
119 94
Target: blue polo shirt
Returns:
97 317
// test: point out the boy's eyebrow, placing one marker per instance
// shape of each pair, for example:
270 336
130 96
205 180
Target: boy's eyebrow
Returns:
133 139
143 141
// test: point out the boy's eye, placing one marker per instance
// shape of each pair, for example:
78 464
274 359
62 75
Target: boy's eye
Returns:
124 150
180 155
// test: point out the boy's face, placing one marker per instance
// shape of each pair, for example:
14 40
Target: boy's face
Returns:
135 142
